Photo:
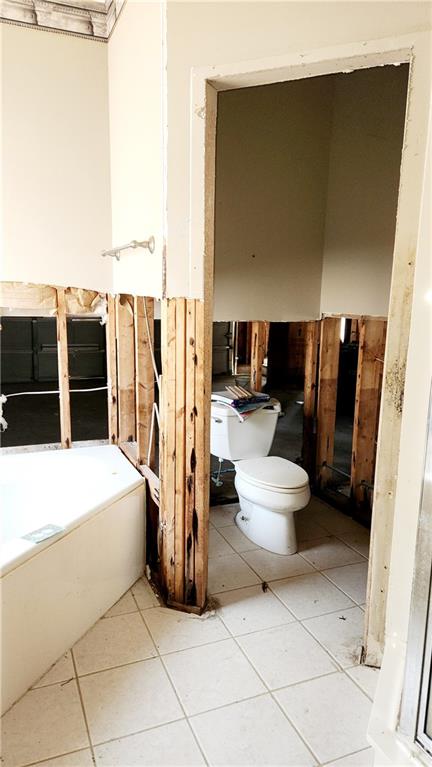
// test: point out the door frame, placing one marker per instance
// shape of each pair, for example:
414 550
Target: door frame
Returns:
206 82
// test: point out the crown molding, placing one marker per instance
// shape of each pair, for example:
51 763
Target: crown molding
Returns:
82 17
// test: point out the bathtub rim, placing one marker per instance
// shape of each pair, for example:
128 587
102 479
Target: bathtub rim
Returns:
28 549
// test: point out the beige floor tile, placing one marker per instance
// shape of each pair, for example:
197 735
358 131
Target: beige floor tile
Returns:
229 572
251 609
218 547
331 713
335 521
307 528
366 678
237 539
77 759
364 758
286 655
357 539
310 595
126 700
46 722
60 672
221 516
341 633
172 630
328 552
253 732
172 745
271 567
352 579
113 642
316 504
144 594
126 604
212 675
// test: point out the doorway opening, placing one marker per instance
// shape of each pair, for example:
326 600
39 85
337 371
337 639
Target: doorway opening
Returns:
306 196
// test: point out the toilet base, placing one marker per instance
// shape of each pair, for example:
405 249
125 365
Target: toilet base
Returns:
272 530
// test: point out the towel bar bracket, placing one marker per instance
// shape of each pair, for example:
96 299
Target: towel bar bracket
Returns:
115 252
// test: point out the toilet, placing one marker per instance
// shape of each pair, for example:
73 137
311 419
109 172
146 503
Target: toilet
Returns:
270 488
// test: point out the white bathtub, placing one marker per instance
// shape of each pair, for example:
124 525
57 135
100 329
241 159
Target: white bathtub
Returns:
53 591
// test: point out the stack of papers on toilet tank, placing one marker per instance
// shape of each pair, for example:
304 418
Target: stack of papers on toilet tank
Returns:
242 401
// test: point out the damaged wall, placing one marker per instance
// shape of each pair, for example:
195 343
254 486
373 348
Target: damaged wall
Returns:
55 156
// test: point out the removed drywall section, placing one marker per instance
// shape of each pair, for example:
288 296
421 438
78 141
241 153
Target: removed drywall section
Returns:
55 154
271 184
136 134
364 169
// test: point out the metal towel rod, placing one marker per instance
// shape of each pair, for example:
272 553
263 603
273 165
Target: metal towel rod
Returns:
115 252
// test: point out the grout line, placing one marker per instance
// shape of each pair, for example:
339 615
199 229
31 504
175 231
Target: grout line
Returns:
345 756
338 664
118 615
56 756
270 692
172 685
83 708
119 665
139 732
315 568
339 668
323 573
184 711
357 683
333 657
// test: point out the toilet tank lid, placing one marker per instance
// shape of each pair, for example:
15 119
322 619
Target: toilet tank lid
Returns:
273 471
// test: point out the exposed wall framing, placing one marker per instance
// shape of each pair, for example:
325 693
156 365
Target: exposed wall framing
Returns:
372 338
312 337
259 338
184 465
327 395
63 371
126 368
111 363
144 377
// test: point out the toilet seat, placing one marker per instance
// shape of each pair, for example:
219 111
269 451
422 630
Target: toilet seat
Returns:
273 473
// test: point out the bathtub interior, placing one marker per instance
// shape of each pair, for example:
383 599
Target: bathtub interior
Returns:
59 489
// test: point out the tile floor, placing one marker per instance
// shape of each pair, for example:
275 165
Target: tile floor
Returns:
270 677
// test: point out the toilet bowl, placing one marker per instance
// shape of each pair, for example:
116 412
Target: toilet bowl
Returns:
270 490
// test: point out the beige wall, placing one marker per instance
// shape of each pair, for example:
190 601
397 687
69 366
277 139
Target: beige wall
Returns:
364 169
271 183
203 34
55 159
136 136
293 162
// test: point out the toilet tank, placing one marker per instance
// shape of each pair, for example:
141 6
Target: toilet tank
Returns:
235 440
